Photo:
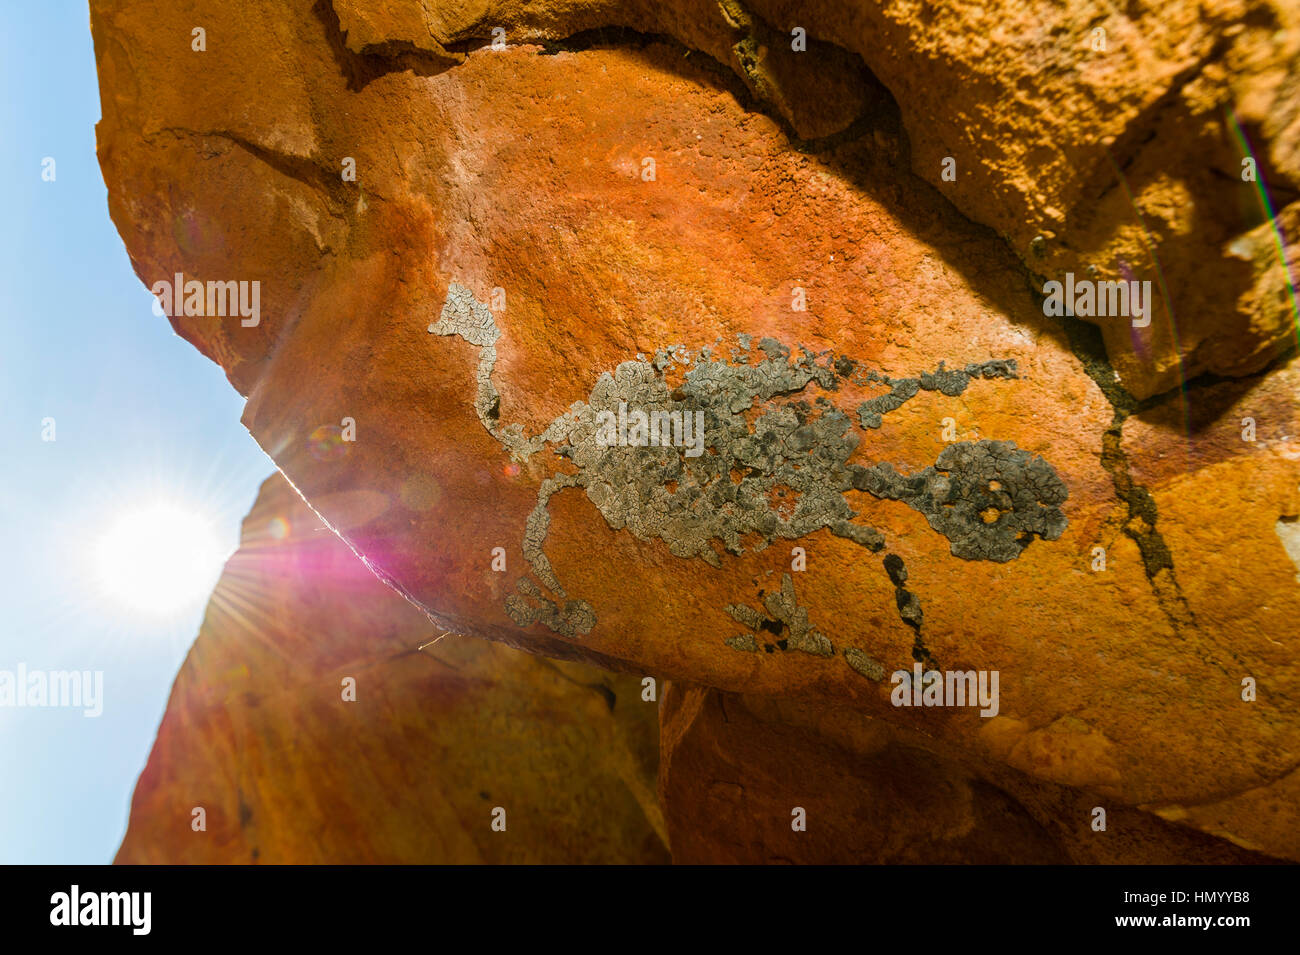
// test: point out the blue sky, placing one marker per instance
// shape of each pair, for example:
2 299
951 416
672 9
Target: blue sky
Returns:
139 415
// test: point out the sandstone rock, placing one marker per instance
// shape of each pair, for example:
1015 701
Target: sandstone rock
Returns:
258 734
753 780
1119 151
1096 141
505 267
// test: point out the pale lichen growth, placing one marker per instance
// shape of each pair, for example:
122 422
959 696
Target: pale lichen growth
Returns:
780 472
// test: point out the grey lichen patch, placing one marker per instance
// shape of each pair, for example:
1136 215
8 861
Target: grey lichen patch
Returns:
464 315
909 607
746 615
1288 532
989 498
785 621
867 665
870 412
739 451
948 382
896 569
796 451
908 604
573 619
536 529
743 641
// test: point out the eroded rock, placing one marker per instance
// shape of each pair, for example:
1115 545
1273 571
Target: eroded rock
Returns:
515 182
747 780
258 733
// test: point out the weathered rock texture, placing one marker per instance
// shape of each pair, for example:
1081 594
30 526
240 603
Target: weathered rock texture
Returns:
735 771
258 734
592 217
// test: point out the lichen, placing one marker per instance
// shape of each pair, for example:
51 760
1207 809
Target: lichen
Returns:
573 618
742 641
774 466
785 620
867 665
989 498
473 321
948 382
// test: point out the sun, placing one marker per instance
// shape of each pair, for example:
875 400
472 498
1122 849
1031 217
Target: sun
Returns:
158 559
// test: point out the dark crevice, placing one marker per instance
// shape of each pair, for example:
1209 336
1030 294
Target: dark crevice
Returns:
1140 524
909 609
394 56
321 179
604 38
361 69
1209 379
605 692
880 103
324 180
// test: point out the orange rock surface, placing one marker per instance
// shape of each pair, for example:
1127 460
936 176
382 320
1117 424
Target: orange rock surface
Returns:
754 780
538 232
259 736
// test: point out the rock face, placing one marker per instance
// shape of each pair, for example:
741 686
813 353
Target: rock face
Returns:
754 780
258 734
477 267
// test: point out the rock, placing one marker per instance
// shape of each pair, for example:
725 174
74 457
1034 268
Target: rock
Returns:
539 237
1097 138
257 732
752 780
1104 143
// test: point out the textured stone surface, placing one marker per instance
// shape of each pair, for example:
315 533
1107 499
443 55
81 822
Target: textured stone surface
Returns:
524 170
735 770
258 734
1110 154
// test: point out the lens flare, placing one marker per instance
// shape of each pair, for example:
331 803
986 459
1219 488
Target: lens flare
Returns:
326 443
1266 206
